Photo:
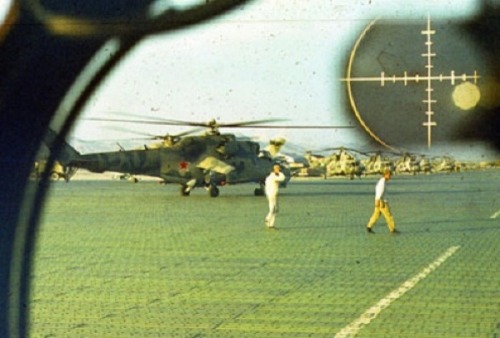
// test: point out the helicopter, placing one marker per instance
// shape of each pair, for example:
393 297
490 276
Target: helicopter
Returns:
343 163
412 163
425 165
336 164
408 164
444 164
316 165
376 163
209 160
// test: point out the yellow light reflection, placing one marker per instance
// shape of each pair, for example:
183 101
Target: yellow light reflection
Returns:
466 95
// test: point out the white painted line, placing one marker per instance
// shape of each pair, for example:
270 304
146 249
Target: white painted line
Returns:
496 214
352 329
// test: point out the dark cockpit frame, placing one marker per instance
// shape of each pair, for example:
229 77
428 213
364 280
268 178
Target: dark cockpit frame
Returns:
47 73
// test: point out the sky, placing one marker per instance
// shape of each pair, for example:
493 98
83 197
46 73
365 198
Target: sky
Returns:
268 59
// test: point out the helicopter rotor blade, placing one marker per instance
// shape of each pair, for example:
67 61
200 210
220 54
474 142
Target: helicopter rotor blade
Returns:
257 124
149 136
292 127
172 123
145 119
187 132
137 118
348 150
242 124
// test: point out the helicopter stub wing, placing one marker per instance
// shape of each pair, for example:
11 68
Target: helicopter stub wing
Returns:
216 165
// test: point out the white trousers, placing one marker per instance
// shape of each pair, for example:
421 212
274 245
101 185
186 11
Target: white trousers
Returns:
273 210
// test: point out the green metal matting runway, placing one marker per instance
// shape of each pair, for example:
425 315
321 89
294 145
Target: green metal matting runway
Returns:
116 259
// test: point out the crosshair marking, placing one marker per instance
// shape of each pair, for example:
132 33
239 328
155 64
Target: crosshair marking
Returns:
428 78
352 329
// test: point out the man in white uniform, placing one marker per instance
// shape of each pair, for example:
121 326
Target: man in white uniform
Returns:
381 206
272 187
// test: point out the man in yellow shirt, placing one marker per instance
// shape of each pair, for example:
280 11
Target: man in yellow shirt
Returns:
381 206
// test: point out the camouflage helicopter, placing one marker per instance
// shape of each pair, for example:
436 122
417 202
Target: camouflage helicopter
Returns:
343 163
444 164
209 160
316 165
425 165
375 163
408 164
413 163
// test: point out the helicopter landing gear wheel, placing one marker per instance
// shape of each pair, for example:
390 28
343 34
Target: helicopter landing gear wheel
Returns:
185 191
258 192
213 191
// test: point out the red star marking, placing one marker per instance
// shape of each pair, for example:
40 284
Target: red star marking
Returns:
183 165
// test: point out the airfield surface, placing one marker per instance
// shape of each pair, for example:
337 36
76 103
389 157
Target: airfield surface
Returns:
117 259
